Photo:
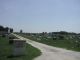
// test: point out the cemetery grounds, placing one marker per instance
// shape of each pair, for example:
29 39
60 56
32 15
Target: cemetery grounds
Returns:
67 42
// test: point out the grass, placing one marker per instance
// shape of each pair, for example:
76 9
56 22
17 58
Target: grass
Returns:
69 44
6 49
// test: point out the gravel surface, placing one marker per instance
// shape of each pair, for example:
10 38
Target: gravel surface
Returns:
52 53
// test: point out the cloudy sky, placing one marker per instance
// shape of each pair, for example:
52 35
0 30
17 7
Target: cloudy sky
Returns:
41 15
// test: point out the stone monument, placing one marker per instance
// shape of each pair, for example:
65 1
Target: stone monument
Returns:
18 47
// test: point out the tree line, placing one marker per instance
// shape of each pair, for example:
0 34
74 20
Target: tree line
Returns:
6 29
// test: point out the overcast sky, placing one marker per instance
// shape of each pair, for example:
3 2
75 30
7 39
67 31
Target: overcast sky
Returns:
41 15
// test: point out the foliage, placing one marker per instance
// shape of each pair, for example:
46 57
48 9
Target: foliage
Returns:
6 29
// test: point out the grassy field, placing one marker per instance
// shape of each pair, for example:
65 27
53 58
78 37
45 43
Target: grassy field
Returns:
5 51
70 44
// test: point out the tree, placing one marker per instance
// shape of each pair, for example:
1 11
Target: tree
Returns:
6 29
11 30
1 28
63 32
21 31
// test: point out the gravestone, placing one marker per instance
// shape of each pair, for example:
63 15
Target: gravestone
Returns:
11 37
18 47
38 39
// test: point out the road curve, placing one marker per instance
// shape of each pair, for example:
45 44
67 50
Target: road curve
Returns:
52 53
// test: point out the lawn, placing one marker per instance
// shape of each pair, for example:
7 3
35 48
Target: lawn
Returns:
69 44
5 51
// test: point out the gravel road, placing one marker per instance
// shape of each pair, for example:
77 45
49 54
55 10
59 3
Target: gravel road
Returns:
52 53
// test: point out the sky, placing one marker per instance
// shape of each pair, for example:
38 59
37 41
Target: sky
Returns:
41 15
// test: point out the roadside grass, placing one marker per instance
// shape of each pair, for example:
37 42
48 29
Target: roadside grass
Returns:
69 44
6 49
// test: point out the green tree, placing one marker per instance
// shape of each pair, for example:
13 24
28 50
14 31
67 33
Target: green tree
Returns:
21 31
1 28
6 29
11 30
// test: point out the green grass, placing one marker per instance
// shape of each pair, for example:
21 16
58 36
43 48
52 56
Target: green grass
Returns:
69 44
6 49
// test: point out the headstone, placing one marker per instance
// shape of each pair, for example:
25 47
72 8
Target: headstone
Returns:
19 47
48 37
11 37
38 39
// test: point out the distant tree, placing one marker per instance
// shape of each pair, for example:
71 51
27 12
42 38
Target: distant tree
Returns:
1 28
6 29
11 30
43 33
63 32
21 31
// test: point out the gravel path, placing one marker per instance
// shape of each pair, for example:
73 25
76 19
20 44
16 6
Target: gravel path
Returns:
52 53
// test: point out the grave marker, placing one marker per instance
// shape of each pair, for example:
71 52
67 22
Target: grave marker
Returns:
19 47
